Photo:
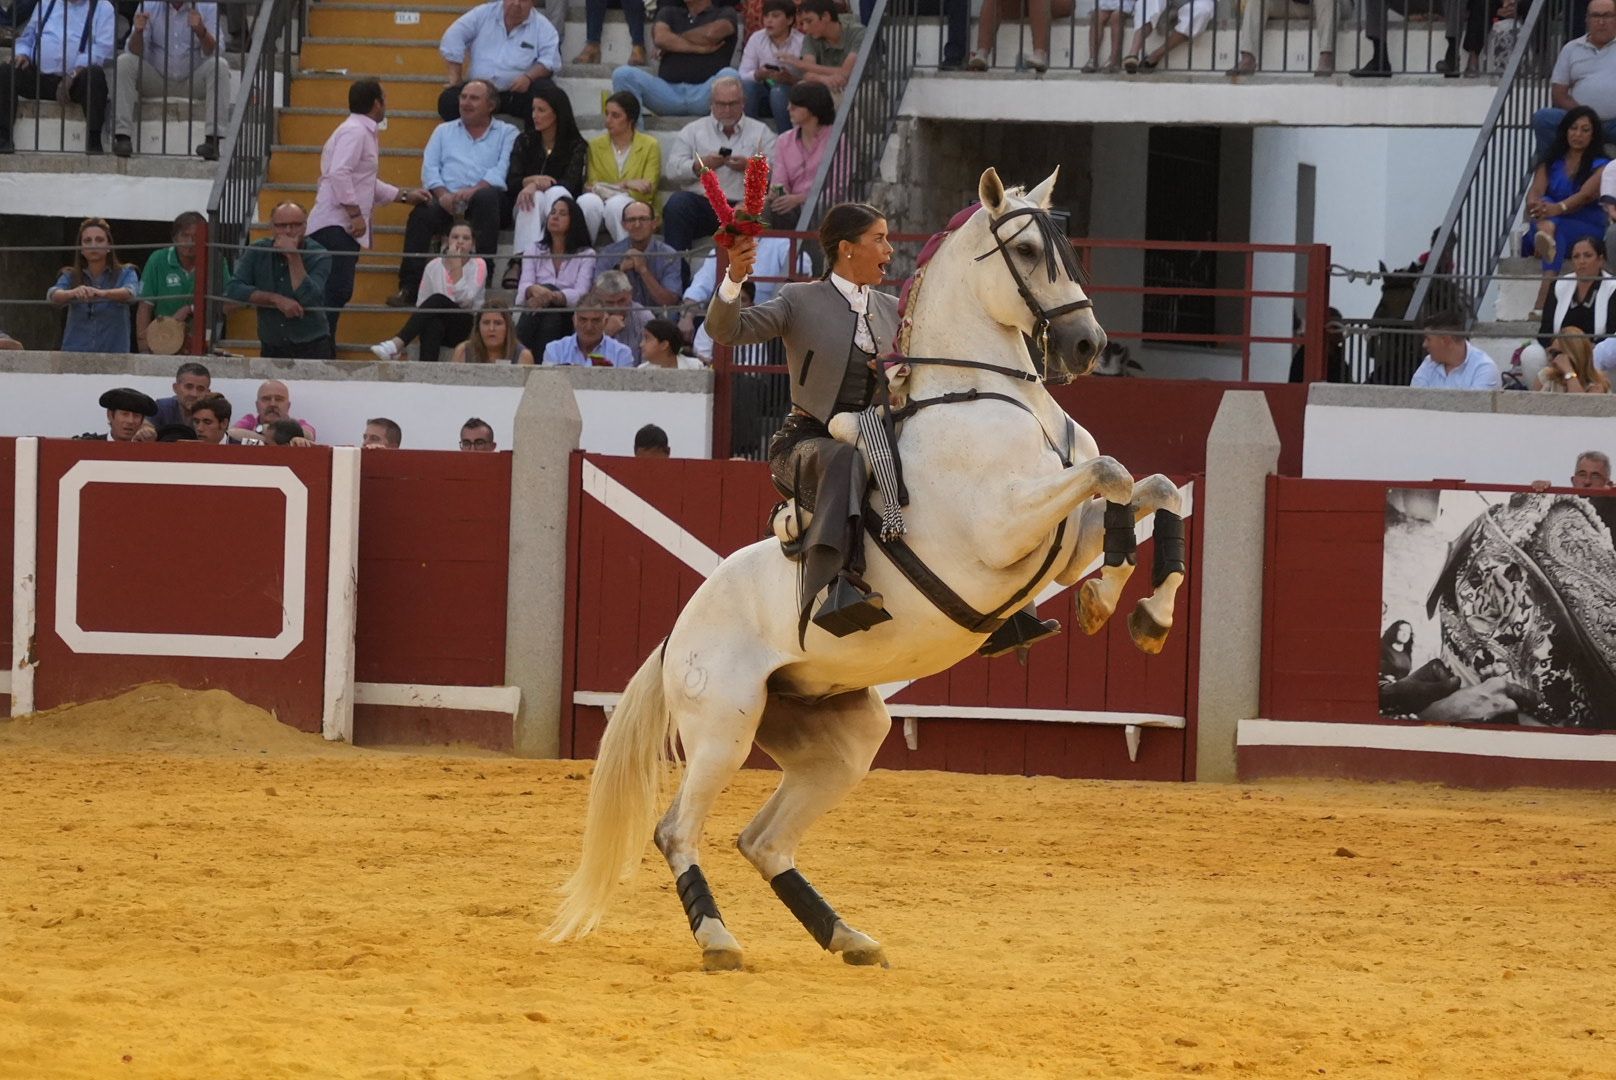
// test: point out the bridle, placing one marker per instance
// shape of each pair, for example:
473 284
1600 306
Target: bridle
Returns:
1057 255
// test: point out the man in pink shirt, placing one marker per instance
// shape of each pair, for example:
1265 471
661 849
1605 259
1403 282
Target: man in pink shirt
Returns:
274 403
350 188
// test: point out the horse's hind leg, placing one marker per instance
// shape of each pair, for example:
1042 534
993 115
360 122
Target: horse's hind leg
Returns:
823 750
716 741
1110 526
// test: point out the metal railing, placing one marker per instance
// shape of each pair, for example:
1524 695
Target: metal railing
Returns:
166 103
1415 39
245 146
868 112
1488 198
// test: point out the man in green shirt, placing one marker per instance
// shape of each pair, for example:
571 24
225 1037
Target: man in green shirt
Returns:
833 45
284 278
168 284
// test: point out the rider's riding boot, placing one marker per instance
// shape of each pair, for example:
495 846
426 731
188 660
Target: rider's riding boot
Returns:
1021 631
850 606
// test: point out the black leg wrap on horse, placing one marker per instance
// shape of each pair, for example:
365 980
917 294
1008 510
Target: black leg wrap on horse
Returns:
806 904
1169 547
1119 539
697 897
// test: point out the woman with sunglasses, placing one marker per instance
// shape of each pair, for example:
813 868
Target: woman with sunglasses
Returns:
1571 369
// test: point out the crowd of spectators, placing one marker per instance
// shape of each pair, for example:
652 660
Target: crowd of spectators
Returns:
195 412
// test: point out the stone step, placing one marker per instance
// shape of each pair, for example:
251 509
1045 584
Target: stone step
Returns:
168 127
357 20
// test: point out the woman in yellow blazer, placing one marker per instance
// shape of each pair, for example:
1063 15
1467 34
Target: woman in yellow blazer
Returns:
624 166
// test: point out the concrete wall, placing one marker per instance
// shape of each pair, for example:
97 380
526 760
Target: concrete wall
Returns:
1508 437
55 394
1380 194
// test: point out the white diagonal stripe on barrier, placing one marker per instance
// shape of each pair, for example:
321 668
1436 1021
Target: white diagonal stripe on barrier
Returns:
656 525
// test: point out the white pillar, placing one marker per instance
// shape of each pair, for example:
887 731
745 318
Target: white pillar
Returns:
24 574
341 596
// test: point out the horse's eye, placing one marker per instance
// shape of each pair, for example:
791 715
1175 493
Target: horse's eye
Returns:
1026 250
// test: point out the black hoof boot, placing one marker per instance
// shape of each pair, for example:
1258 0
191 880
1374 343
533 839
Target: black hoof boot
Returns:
848 609
1022 631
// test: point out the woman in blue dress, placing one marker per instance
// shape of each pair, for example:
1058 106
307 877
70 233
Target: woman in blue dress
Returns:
99 293
1563 201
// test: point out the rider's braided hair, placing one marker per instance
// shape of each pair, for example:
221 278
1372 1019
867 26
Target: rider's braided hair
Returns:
845 221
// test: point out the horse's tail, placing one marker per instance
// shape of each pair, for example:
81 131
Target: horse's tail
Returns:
623 795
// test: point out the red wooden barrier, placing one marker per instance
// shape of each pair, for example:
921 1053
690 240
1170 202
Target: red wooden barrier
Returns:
628 589
434 548
184 571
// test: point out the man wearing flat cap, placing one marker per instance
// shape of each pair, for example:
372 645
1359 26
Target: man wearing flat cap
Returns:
126 410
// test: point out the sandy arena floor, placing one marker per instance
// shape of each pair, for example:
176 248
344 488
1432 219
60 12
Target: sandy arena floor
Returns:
188 889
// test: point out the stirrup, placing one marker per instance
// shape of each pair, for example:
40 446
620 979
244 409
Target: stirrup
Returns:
846 610
1021 631
787 524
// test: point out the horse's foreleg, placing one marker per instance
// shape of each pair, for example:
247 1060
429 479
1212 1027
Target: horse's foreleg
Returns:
1033 508
1109 526
716 739
823 750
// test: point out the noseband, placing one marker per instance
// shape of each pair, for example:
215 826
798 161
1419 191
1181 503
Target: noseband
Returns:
1057 255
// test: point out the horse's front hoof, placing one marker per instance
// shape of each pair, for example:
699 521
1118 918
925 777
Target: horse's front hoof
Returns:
1091 609
875 957
1148 635
721 960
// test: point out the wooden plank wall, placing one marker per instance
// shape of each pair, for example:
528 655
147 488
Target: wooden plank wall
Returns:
1321 625
629 590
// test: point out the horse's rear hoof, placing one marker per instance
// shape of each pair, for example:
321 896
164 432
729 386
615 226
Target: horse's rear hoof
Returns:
721 960
1148 634
1091 610
876 957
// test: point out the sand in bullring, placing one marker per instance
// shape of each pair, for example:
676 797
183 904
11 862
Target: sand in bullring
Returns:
245 901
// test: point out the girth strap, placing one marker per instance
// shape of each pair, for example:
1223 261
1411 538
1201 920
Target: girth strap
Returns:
945 599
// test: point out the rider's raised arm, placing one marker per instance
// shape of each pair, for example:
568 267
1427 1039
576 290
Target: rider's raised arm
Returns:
731 324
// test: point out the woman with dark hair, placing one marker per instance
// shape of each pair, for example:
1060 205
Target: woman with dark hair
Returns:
1585 298
1563 198
625 165
547 163
493 341
451 289
98 292
798 152
1397 650
833 329
556 273
661 345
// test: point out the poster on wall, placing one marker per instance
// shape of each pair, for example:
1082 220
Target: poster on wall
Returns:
1499 607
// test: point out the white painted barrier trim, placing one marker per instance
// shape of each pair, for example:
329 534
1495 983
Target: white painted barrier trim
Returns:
5 682
649 520
294 568
24 574
608 701
341 596
1430 739
500 699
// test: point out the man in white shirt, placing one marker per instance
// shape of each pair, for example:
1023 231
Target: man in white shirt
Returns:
65 41
723 141
1451 362
173 51
506 42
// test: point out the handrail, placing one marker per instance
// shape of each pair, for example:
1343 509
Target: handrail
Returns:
868 112
244 147
1493 184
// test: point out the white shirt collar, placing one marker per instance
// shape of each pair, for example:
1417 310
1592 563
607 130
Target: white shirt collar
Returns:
857 296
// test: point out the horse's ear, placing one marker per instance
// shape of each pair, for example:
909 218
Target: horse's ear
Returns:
1382 267
1044 193
991 191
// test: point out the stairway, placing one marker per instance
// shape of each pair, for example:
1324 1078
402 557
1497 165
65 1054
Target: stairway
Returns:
353 39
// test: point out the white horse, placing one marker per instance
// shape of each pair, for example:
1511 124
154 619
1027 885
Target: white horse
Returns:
988 492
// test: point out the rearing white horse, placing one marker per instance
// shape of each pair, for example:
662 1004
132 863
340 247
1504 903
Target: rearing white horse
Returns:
989 493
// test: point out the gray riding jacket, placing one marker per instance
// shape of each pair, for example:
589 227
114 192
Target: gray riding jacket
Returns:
817 326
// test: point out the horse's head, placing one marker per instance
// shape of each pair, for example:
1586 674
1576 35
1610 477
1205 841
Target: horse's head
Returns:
1029 275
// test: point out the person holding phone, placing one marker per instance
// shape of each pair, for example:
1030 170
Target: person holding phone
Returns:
588 345
763 70
722 141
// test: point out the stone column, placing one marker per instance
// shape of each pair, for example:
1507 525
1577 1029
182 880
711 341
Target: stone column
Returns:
546 431
1242 450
